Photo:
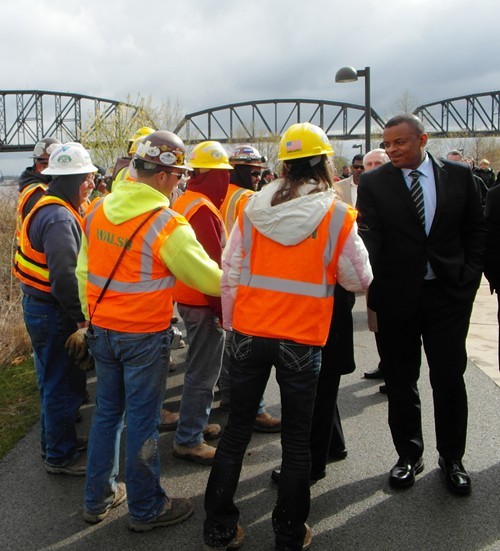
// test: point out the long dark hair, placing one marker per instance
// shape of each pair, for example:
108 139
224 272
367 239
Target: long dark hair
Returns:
297 172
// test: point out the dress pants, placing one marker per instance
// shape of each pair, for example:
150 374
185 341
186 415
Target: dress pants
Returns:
441 324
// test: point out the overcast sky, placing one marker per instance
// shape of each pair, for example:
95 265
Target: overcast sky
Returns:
204 53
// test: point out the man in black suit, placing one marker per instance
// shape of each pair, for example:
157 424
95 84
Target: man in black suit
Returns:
425 234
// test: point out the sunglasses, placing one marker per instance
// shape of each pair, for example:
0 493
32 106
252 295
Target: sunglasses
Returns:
178 175
358 167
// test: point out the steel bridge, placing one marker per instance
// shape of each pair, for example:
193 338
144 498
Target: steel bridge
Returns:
28 115
256 121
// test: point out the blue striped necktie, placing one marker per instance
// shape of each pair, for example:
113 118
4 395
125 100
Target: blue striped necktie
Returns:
417 194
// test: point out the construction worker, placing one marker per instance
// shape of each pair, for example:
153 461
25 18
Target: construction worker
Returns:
32 183
247 163
134 247
121 168
45 264
201 314
292 242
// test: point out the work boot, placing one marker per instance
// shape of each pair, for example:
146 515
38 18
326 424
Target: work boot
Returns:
235 543
212 432
265 422
168 420
119 498
176 510
202 453
76 467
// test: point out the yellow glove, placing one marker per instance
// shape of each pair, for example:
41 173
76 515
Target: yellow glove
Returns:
76 344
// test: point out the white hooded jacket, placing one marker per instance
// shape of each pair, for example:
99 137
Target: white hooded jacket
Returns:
290 223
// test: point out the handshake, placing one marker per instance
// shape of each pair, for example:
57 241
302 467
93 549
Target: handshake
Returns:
77 348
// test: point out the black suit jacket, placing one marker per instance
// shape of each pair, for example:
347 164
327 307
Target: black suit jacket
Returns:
399 247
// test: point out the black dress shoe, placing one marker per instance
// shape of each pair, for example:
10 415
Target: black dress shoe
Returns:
403 473
337 455
456 477
374 374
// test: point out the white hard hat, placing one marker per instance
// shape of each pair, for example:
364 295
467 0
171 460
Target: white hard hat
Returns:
70 158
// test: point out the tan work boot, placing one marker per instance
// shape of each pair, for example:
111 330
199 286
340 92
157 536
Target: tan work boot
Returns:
307 538
265 422
176 510
212 432
202 453
76 467
168 420
119 498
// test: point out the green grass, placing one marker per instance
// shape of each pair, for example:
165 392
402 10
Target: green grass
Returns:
19 403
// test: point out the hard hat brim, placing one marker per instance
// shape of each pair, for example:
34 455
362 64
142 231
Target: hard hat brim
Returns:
62 172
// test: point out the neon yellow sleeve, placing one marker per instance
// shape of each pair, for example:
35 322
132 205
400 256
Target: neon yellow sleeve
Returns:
189 262
81 275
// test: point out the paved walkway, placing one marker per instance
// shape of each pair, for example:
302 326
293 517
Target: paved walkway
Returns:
353 508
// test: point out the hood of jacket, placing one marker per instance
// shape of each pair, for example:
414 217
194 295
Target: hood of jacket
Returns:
29 176
213 184
291 222
131 199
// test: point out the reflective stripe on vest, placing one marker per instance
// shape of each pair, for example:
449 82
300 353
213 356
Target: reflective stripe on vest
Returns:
138 298
229 207
287 292
145 284
30 265
321 290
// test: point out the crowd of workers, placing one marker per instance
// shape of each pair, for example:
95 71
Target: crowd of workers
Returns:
263 270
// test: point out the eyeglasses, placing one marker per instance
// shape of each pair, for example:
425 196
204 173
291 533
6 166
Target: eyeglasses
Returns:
178 175
358 167
256 173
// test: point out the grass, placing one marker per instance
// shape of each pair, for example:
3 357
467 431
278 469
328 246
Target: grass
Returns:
19 403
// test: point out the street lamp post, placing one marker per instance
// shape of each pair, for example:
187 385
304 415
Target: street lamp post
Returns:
350 74
358 146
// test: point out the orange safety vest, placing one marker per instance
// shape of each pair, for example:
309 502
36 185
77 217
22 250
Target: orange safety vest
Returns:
286 292
234 202
187 205
24 196
139 296
30 265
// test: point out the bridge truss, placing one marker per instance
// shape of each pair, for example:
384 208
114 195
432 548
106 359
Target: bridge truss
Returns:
26 116
256 121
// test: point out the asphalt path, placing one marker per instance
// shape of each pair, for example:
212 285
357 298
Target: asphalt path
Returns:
353 508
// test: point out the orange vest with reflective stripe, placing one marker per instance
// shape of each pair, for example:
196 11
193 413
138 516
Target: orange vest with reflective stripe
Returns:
30 265
139 296
234 202
24 196
286 292
187 205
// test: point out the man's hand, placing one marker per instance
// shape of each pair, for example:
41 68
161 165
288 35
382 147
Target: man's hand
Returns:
76 345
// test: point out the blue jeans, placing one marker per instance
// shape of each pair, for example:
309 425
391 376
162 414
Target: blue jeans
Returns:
224 383
60 382
131 376
297 370
203 363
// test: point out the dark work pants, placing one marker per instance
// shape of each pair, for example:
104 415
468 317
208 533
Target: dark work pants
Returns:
441 325
297 369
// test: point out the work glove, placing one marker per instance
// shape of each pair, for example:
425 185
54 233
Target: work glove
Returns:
76 345
86 363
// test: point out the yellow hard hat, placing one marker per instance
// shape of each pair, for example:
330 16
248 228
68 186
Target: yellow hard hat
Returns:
141 132
209 155
304 140
134 145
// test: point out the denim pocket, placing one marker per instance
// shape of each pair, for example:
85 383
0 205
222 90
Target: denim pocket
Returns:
295 356
241 346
